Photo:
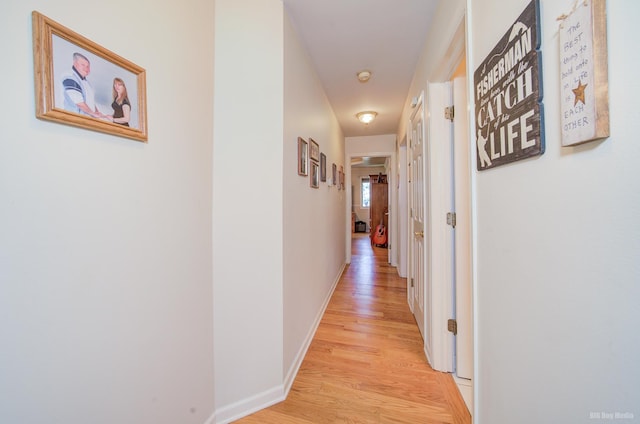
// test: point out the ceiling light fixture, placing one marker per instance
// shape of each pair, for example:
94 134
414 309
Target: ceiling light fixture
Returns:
363 76
367 117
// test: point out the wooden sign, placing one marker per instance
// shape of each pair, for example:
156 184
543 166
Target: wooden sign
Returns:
584 85
508 95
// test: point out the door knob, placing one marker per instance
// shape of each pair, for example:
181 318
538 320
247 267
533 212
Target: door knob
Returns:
419 233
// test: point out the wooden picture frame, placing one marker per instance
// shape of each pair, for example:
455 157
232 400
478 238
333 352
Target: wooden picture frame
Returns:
303 157
584 80
314 178
334 174
323 167
314 150
75 82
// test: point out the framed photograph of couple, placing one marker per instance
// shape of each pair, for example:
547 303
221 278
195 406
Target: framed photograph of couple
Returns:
80 83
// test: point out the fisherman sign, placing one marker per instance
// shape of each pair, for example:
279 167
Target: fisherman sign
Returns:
508 95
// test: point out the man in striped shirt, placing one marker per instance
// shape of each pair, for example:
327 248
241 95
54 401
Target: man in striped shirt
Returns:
79 96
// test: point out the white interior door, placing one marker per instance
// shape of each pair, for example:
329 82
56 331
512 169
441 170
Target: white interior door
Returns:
417 218
402 208
440 254
462 193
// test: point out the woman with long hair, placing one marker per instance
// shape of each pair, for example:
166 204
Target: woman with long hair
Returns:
121 105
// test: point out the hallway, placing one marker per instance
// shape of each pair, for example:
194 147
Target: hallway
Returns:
366 363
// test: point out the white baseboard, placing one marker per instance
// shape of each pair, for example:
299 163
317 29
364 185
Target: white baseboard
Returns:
250 405
426 353
277 394
465 386
293 370
212 419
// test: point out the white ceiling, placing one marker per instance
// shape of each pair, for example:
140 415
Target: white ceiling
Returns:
343 37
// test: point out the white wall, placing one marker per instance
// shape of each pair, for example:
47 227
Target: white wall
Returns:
314 225
272 275
105 243
374 144
558 242
248 175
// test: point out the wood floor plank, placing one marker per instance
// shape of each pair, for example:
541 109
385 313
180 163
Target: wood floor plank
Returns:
366 363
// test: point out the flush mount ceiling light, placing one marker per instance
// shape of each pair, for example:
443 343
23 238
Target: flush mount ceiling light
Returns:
363 76
366 117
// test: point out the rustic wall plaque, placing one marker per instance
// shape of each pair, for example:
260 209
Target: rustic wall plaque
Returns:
584 84
508 95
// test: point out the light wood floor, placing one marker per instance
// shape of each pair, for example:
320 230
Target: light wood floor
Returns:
366 363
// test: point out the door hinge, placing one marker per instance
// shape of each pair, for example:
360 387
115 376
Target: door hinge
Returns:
412 282
449 113
451 219
452 326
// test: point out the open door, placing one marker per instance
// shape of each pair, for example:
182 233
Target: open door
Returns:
462 239
439 219
462 195
417 219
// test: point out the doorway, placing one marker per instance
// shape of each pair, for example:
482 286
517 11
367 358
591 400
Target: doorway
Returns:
441 265
356 161
366 201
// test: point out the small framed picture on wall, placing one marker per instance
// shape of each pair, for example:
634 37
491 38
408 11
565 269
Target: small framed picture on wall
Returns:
303 156
315 175
334 174
323 167
314 150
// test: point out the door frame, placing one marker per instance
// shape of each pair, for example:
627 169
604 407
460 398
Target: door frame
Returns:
422 280
393 201
459 48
